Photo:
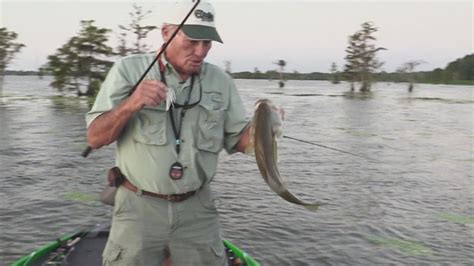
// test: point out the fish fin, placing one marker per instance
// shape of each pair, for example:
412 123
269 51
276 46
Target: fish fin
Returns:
275 151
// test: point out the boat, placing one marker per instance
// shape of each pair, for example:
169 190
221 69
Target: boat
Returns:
85 248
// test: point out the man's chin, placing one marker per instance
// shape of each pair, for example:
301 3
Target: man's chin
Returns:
194 69
190 69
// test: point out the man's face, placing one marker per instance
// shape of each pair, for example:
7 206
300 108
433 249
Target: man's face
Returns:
184 54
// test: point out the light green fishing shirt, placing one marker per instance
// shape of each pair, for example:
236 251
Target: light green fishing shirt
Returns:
146 147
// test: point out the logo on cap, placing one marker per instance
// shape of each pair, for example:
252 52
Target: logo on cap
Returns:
209 17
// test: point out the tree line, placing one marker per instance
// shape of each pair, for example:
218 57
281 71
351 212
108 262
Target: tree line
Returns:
82 63
362 67
460 71
8 48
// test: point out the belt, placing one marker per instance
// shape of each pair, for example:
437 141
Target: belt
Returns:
172 197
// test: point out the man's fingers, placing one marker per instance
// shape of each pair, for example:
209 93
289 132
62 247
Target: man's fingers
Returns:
151 92
151 101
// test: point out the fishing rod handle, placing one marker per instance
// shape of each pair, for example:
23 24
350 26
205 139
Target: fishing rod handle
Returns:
86 151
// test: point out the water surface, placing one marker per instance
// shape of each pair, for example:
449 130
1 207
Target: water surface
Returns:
418 208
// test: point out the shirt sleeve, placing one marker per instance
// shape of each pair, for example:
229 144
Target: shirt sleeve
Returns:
114 89
235 119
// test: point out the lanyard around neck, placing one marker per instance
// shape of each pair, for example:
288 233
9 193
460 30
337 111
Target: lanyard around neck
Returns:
184 107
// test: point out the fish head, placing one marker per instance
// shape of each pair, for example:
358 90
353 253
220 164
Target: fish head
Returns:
262 102
265 109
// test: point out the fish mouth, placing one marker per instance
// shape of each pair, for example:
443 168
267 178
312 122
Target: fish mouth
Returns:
262 101
279 111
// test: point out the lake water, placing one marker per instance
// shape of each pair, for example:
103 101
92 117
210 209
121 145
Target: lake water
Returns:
417 208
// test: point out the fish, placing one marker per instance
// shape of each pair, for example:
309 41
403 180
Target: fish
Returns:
266 126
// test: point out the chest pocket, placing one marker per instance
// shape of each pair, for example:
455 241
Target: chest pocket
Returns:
211 122
150 126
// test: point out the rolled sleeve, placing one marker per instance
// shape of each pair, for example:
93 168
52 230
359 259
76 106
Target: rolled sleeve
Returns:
115 88
235 120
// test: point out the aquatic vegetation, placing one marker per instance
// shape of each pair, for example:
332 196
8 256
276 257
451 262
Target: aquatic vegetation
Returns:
455 218
424 134
71 103
81 197
305 94
361 133
410 247
360 95
79 146
442 100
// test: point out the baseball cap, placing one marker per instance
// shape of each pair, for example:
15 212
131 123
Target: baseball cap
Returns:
201 23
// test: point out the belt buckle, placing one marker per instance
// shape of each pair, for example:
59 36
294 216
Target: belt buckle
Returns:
139 192
171 197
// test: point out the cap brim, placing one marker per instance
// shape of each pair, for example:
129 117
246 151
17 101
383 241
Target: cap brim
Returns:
199 32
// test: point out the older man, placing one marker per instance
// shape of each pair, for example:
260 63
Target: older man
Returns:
169 157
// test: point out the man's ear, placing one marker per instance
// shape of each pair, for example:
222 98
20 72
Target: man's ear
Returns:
165 33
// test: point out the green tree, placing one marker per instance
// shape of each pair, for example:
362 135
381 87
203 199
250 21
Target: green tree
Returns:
281 64
81 63
257 74
8 49
334 73
228 67
352 65
361 56
406 70
137 30
461 69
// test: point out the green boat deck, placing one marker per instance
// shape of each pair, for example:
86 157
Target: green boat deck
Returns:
85 248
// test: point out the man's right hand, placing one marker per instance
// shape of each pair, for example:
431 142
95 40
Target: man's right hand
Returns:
106 128
148 93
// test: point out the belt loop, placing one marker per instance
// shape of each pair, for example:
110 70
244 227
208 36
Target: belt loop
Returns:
139 192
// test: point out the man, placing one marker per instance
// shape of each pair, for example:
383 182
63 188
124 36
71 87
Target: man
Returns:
169 157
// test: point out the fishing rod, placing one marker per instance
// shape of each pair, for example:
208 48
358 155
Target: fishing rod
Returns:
88 150
334 149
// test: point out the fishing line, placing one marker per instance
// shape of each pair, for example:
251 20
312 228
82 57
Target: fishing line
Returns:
334 149
88 150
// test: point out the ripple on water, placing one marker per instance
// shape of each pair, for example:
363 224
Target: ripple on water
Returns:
417 209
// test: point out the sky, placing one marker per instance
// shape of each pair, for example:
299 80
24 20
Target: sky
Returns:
308 35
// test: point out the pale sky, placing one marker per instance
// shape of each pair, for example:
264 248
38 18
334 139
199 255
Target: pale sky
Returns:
309 35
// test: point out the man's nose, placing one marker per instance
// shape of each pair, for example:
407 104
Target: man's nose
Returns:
201 49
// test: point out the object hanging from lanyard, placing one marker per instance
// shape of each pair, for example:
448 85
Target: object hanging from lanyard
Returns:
177 169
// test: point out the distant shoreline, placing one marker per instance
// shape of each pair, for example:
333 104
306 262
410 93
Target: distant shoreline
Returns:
288 76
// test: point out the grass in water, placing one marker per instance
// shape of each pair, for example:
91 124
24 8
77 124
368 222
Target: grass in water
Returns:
414 248
459 219
81 197
442 100
361 133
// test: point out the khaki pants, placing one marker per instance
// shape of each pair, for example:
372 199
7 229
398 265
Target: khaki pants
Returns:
143 226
